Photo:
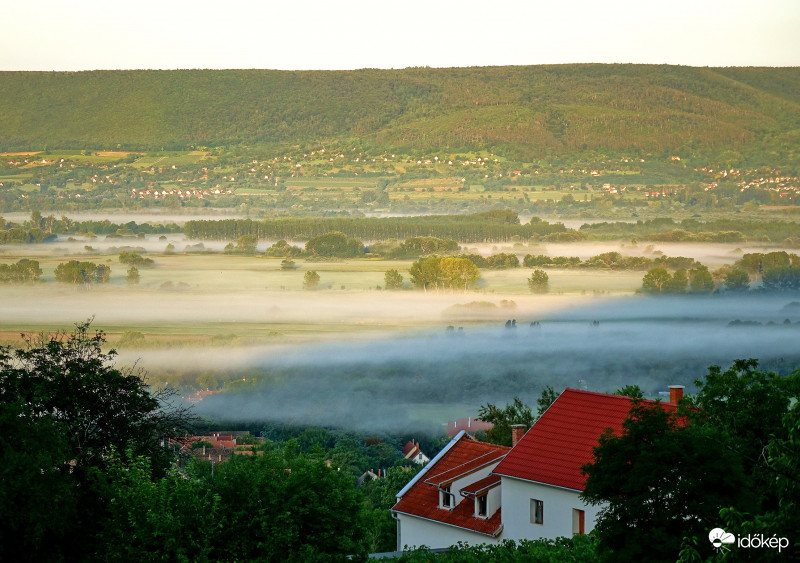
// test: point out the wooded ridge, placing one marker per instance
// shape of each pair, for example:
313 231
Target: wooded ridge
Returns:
520 111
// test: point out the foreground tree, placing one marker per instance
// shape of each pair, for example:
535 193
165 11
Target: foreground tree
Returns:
660 481
63 392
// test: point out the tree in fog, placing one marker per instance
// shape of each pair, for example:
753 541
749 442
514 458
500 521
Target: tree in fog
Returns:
393 280
700 280
311 280
736 280
656 280
539 282
133 275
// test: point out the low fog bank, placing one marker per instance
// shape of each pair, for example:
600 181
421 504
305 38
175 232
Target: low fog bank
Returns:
385 384
114 305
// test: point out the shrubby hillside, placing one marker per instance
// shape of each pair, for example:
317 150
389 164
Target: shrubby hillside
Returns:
519 111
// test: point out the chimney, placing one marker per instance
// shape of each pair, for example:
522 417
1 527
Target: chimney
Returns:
675 393
517 432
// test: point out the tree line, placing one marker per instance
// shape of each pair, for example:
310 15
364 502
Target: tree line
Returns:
496 226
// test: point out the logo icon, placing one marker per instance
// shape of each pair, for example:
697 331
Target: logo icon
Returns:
719 538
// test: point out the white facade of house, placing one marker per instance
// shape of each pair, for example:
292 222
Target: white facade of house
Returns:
414 532
560 516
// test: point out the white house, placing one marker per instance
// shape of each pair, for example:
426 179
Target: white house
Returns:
454 498
413 452
482 493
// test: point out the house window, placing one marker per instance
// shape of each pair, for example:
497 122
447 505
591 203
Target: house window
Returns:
537 511
578 519
447 498
481 505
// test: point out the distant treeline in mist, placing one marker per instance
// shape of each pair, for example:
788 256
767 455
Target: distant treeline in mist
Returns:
665 229
491 226
524 111
44 229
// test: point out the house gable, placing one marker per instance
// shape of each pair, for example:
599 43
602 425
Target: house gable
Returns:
463 463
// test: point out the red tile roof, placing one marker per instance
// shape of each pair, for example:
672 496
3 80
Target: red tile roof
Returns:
411 450
439 478
481 486
421 499
561 441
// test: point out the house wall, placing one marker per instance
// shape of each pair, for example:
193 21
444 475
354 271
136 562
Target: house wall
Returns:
494 498
414 532
558 506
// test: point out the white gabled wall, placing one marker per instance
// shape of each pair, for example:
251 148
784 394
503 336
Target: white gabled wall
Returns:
415 532
558 506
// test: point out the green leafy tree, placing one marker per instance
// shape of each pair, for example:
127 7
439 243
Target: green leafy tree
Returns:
171 518
82 272
311 280
737 280
539 282
679 282
503 418
334 244
546 399
278 508
632 391
653 483
24 271
700 280
747 405
656 281
393 280
64 391
782 517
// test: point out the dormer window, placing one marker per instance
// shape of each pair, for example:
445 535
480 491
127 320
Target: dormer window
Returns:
481 506
446 498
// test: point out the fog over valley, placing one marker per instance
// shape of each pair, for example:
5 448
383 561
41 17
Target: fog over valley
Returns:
425 378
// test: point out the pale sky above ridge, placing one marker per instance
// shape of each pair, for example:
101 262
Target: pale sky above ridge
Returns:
348 34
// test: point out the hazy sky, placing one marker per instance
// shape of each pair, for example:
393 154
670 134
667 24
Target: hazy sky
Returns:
350 34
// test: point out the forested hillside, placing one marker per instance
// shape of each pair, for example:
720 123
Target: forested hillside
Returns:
518 111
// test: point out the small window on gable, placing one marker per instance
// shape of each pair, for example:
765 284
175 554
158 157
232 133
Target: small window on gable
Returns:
537 511
446 497
481 505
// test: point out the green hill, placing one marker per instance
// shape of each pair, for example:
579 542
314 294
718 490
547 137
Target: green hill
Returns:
519 111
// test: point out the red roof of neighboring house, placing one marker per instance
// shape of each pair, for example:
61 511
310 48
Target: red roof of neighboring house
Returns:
422 498
562 440
411 449
467 425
